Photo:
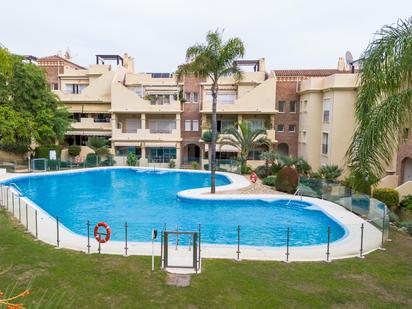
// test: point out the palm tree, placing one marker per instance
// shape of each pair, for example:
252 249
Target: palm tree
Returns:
244 139
329 172
384 104
99 145
213 60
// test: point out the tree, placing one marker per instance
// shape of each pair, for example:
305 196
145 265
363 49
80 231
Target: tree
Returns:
384 103
99 145
329 172
213 60
244 139
29 110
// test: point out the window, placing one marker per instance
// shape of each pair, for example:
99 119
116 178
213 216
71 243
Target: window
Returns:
132 125
292 106
281 106
325 143
102 118
222 125
195 125
195 97
159 99
161 155
161 125
327 107
224 155
292 128
222 98
54 86
280 128
303 106
256 124
188 125
125 150
254 155
303 136
187 96
74 88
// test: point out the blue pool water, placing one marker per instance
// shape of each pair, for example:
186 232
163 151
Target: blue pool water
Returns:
147 199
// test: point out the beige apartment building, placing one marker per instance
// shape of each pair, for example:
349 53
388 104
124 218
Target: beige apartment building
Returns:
143 112
326 118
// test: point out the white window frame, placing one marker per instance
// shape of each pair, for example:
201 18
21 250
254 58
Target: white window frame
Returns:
188 125
195 125
283 127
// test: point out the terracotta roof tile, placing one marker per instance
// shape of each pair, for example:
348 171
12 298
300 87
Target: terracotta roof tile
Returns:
56 58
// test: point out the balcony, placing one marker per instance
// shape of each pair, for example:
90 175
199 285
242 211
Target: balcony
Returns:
146 135
90 124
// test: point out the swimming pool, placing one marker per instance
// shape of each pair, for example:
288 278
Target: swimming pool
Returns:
147 199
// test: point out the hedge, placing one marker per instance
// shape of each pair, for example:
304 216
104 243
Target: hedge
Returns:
15 148
389 197
43 151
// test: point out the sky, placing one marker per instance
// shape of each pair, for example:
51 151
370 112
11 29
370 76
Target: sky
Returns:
289 34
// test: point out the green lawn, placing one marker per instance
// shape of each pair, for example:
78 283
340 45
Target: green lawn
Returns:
382 280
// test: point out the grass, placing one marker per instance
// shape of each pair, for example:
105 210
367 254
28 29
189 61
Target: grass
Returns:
76 280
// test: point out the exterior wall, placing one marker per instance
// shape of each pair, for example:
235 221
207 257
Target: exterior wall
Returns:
404 153
340 91
310 122
287 91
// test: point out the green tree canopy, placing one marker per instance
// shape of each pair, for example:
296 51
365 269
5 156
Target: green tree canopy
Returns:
28 108
384 105
214 59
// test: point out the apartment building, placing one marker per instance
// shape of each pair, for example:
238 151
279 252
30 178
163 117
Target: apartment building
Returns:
287 104
326 118
55 65
250 100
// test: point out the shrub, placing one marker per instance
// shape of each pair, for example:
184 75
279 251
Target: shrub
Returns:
330 172
393 217
43 151
195 165
245 169
270 181
172 164
206 166
287 180
131 159
262 171
408 226
15 148
389 197
74 150
407 202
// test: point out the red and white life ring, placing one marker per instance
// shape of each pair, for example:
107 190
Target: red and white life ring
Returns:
98 235
253 177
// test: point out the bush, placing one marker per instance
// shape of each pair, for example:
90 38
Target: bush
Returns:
131 159
43 151
389 197
195 165
262 171
270 181
206 166
15 148
172 164
407 202
408 226
74 150
287 180
245 169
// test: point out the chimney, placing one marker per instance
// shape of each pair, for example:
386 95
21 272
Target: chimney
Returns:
262 65
341 64
128 63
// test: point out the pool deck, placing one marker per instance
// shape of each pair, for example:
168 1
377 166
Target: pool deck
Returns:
348 246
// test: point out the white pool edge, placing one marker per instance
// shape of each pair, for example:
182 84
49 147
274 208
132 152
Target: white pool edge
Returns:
346 247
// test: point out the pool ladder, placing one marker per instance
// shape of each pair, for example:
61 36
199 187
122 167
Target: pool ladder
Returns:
297 193
19 191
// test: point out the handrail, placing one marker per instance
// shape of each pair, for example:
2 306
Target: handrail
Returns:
19 191
296 193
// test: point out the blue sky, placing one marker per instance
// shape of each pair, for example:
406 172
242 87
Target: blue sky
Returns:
289 34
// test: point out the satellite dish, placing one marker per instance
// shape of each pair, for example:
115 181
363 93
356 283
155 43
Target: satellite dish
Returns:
349 57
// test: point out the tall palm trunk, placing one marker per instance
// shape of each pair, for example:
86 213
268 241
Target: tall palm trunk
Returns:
213 142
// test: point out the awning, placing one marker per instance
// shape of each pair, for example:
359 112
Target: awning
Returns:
223 148
89 133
